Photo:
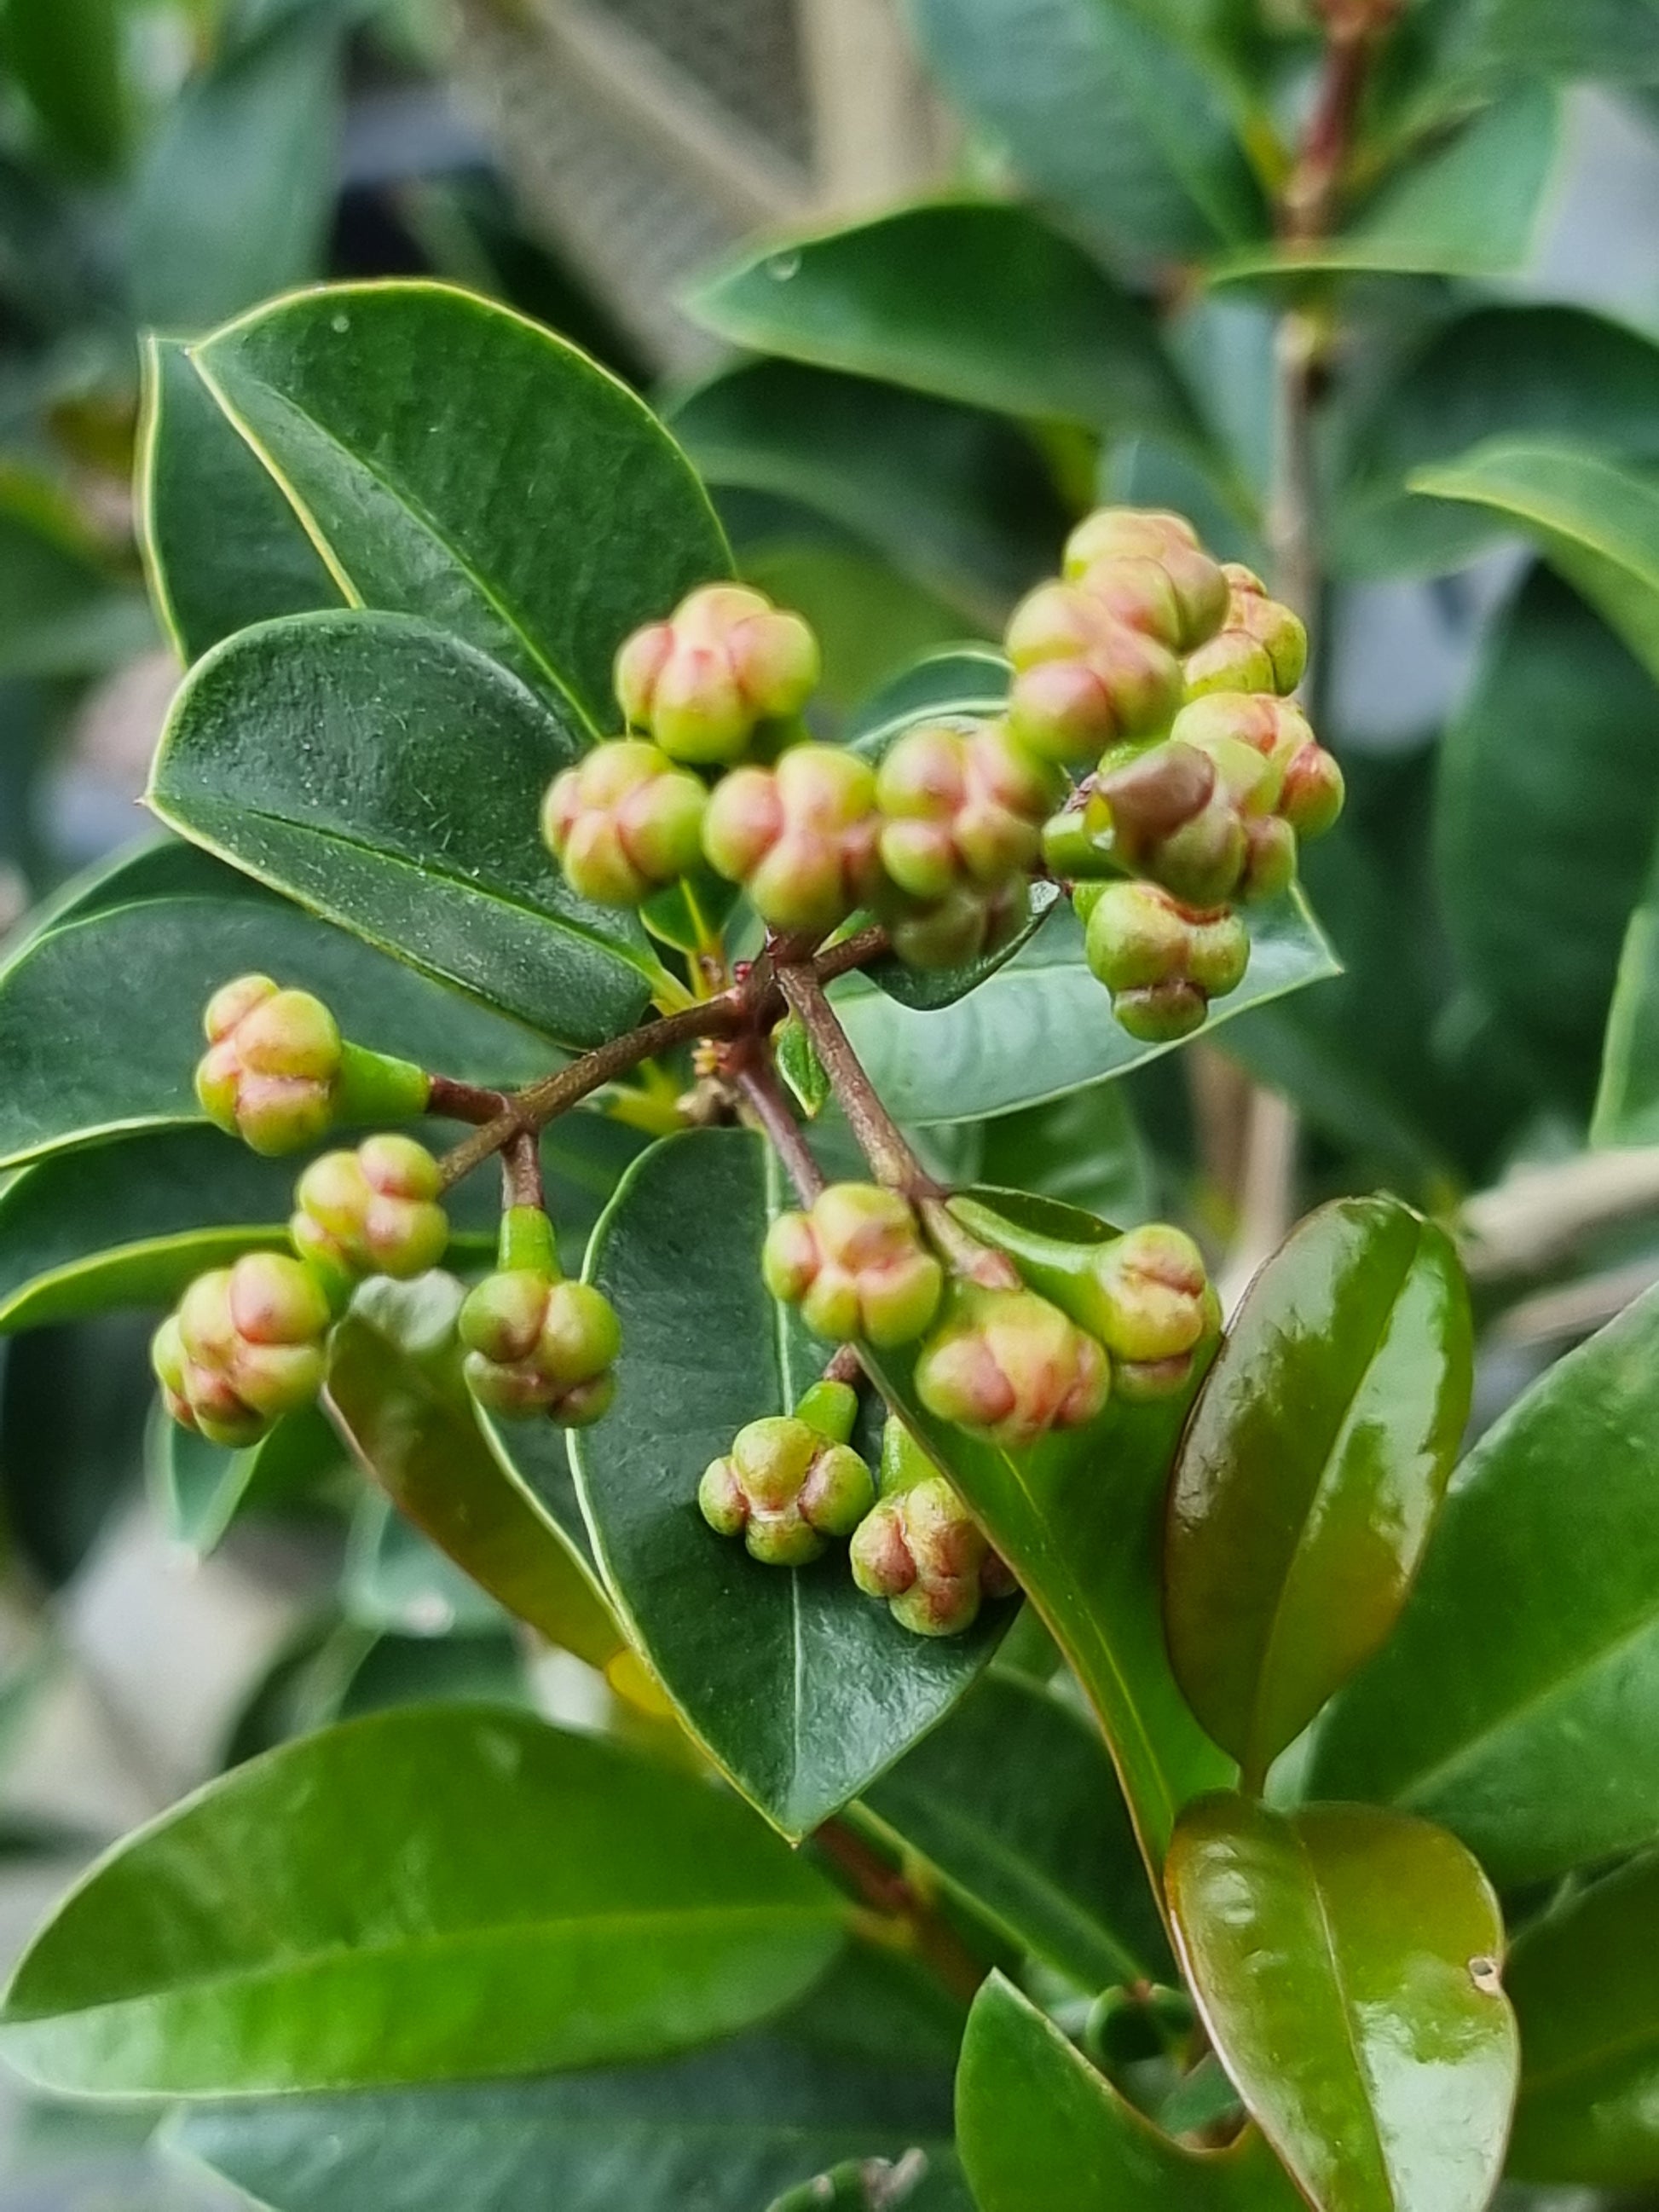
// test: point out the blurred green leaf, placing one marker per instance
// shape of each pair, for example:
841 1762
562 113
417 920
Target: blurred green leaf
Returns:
72 1404
68 56
1083 1149
1627 1096
64 609
395 1580
199 1488
870 619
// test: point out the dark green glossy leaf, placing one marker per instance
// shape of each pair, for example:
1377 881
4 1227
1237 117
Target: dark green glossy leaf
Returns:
1040 2130
1043 1026
460 463
969 679
974 301
1544 831
726 2129
390 777
394 1580
395 1386
67 56
1583 1985
1084 1150
1103 114
1079 1517
958 499
428 1895
1313 1468
199 1488
1345 1962
1014 1803
1517 1702
222 546
800 1689
1501 371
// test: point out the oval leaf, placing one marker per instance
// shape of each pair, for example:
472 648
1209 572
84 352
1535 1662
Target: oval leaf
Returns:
1517 1702
426 1896
459 462
391 778
1345 1963
1313 1468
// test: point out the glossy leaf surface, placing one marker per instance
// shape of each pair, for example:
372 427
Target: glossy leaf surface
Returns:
390 777
1345 1962
977 301
1313 1468
728 2127
523 499
395 1386
799 1687
1013 1801
1532 1634
1040 2130
433 1894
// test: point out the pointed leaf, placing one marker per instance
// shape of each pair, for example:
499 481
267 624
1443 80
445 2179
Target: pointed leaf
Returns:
395 1386
1517 1702
1040 2131
1313 1468
460 463
390 777
428 1895
1345 1962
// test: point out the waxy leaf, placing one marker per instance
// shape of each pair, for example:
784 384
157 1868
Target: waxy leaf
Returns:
222 546
1583 1988
1040 2130
135 971
1041 1026
724 2128
456 461
395 1386
199 1488
1313 1468
801 1689
1517 1701
1345 1962
431 1895
390 777
978 302
1013 1802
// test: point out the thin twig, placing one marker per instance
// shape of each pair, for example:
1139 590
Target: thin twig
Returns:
888 1893
1539 1215
522 1172
453 1101
880 1136
758 1087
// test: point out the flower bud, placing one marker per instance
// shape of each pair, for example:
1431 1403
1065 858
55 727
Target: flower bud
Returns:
537 1344
786 1489
855 1265
964 925
374 1212
923 1553
1155 1307
961 806
1009 1365
624 822
272 1064
801 838
1262 645
1083 680
1110 554
1311 796
245 1347
1161 962
724 664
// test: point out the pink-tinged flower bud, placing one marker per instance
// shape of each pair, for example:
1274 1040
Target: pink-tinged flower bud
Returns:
1262 645
624 822
1009 1365
1161 962
1083 680
802 838
245 1347
923 1551
962 806
1156 1308
374 1212
786 1490
537 1344
1311 796
855 1265
272 1066
1108 552
725 663
964 925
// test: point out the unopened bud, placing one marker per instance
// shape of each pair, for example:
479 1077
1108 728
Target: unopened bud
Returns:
624 822
963 925
245 1347
1161 962
855 1265
1156 1307
374 1212
786 1489
277 1073
1311 796
537 1344
960 806
802 838
1083 680
1110 552
1262 645
923 1551
1009 1365
725 663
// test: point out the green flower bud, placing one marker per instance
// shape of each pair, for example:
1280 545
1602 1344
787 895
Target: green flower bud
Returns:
1262 645
1269 862
786 1489
245 1347
1083 680
1009 1365
277 1073
725 664
922 1551
624 822
1149 570
855 1265
962 806
537 1344
1311 796
374 1212
1161 962
964 925
801 838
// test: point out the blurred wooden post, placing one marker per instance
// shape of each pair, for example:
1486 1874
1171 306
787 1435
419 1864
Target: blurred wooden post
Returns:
879 131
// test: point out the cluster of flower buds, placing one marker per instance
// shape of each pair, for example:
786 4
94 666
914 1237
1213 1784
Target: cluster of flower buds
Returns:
725 668
245 1347
921 1549
855 1265
624 822
278 1074
537 1343
1260 645
791 1484
374 1212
